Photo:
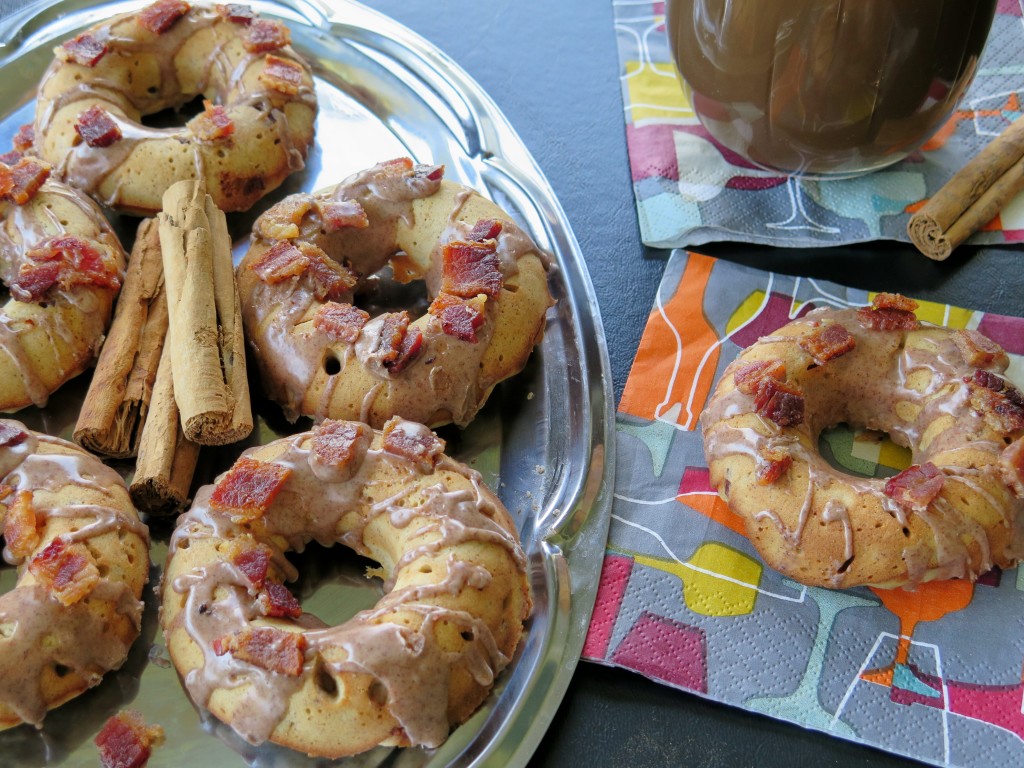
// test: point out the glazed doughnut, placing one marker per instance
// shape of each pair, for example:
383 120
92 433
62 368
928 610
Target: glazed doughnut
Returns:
256 128
320 356
63 266
954 513
401 673
82 557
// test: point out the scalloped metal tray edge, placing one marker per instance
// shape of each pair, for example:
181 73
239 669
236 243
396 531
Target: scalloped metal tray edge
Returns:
552 461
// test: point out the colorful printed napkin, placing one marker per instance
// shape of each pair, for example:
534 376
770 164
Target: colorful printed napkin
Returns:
690 190
934 674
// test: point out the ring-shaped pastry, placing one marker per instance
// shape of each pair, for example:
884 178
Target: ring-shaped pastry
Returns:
311 258
954 513
401 673
83 558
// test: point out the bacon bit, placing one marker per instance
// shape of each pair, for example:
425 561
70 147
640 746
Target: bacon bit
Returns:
396 347
915 487
339 214
253 562
771 465
893 301
749 375
485 229
10 435
212 124
21 181
85 49
282 75
979 350
279 263
987 380
66 261
277 601
126 741
10 158
161 15
889 312
25 138
67 570
341 444
331 280
999 402
396 166
827 342
471 269
414 442
1012 465
283 221
266 35
779 402
429 172
238 13
274 650
458 318
341 322
97 128
249 488
20 526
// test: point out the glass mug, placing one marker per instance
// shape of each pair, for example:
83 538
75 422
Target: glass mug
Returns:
827 87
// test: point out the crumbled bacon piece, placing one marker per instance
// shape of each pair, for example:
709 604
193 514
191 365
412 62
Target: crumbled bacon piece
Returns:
253 562
987 379
889 312
429 172
21 181
65 261
414 442
827 342
412 345
998 401
915 487
1012 464
979 350
459 318
339 214
749 375
97 128
277 601
893 301
771 465
213 123
161 15
237 12
779 402
126 741
341 322
25 138
284 260
11 435
266 35
20 526
11 158
485 229
340 444
471 269
249 487
397 346
85 49
266 647
282 75
279 262
283 221
66 569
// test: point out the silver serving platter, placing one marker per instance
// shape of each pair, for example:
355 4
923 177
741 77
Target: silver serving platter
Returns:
543 441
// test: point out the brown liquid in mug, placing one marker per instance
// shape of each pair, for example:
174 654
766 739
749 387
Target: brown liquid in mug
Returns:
826 86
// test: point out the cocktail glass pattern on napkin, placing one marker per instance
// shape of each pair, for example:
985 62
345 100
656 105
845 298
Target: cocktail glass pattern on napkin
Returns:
934 674
691 190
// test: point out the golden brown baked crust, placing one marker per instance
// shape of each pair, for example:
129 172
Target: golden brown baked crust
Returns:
52 336
126 71
83 560
953 514
407 217
400 673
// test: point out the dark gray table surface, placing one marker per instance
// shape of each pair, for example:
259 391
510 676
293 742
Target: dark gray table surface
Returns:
552 67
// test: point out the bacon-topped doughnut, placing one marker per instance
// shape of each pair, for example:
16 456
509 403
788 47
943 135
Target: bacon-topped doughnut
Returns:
83 559
62 265
256 127
322 356
401 673
954 513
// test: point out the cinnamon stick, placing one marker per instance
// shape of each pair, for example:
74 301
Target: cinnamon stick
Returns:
973 197
118 400
205 332
167 459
